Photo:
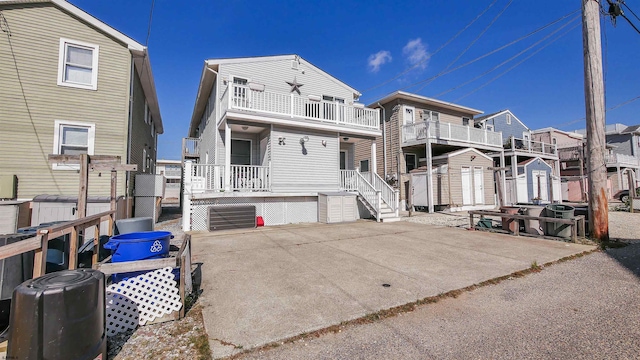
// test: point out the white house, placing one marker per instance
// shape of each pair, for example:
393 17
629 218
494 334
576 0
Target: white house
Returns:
274 132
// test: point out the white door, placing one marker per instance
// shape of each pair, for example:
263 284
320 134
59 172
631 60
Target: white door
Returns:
465 175
521 189
478 185
540 185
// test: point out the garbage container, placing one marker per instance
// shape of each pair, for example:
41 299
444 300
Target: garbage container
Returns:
559 212
532 226
136 224
510 224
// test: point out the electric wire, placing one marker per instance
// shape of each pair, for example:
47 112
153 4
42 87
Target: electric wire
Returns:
631 11
510 59
517 64
470 44
146 42
493 51
435 52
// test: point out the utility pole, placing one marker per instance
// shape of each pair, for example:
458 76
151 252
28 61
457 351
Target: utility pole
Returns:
594 101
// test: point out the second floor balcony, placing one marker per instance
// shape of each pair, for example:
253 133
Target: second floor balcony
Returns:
450 132
622 160
530 147
313 108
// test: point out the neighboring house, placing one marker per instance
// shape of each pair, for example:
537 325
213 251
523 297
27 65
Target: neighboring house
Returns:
520 148
71 84
571 156
172 171
622 155
274 132
437 137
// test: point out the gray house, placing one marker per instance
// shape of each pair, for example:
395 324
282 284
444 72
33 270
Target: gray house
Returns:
519 148
274 132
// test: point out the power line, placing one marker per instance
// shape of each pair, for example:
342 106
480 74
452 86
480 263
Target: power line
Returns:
435 52
609 109
517 64
146 42
510 59
631 11
470 44
493 51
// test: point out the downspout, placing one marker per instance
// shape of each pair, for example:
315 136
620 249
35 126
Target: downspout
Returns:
384 141
128 177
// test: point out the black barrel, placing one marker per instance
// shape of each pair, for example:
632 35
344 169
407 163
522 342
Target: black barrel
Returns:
59 316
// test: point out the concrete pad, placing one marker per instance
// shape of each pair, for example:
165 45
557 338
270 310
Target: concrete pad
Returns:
272 283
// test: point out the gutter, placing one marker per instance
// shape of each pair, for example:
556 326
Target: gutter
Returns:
128 177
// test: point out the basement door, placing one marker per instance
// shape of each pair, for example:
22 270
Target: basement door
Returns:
478 185
465 175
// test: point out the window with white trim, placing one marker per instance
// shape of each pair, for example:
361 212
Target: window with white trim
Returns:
465 121
73 138
409 115
508 119
78 64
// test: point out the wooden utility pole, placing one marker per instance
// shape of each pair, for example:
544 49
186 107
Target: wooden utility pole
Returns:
594 101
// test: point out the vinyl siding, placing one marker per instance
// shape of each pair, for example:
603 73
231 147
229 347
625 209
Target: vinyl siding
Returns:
514 129
293 170
531 182
208 142
621 142
140 135
275 74
28 131
455 166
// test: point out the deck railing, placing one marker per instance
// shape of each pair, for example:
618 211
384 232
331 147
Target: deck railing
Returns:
622 159
387 192
209 177
530 146
242 97
190 147
447 131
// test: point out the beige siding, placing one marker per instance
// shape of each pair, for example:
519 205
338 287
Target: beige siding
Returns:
455 165
27 119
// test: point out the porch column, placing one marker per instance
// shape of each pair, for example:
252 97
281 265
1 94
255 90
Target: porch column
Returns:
186 196
620 178
227 156
374 161
503 173
429 167
514 175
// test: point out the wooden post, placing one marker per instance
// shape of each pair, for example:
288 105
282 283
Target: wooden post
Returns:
40 256
73 246
632 190
595 111
583 197
83 188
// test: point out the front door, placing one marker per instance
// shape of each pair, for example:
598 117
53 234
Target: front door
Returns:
478 185
343 160
465 175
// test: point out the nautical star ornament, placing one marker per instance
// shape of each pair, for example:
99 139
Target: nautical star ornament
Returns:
295 86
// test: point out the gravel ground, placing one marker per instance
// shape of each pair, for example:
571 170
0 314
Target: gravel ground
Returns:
186 338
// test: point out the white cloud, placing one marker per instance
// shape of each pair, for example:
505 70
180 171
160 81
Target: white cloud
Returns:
378 59
416 53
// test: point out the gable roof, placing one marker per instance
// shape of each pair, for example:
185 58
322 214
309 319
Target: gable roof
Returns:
138 51
574 135
425 100
210 72
484 118
529 161
461 151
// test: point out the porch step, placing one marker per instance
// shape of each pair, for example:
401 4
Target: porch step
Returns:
390 219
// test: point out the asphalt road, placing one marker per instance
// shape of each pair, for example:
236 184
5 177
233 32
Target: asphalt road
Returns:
587 308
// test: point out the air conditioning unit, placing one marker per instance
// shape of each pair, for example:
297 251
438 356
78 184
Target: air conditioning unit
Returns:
8 186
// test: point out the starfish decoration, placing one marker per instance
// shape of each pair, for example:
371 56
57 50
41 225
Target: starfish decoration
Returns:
295 86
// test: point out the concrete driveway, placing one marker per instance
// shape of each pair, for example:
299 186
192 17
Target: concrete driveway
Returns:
268 284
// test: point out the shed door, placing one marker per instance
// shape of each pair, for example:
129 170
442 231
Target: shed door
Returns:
465 175
540 185
478 185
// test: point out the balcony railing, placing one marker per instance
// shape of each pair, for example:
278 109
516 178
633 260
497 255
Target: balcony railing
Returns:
453 132
209 177
622 159
190 147
530 146
242 97
570 153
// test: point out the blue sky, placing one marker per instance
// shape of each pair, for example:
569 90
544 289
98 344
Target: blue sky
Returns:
369 43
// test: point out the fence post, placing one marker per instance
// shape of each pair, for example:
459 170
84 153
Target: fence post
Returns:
379 205
397 202
186 197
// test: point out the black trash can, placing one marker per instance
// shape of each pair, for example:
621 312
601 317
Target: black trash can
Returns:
59 316
558 211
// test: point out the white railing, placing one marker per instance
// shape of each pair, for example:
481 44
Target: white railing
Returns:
447 131
209 177
242 97
387 192
530 146
622 159
250 178
190 147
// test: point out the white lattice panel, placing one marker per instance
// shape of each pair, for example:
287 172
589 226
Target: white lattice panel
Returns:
149 296
302 210
274 211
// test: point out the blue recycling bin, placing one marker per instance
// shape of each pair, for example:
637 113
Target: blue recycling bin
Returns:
139 245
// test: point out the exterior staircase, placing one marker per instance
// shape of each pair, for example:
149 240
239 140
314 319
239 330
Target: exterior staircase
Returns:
375 194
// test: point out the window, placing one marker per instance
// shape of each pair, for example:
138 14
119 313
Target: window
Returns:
78 64
554 141
411 161
409 115
364 165
465 121
508 119
72 138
